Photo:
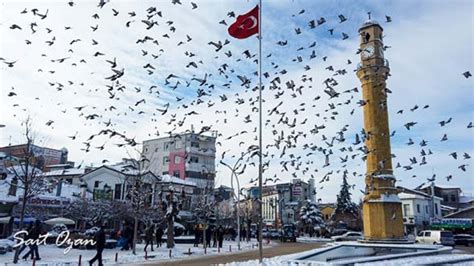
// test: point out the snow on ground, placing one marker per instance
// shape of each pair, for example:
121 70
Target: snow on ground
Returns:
306 239
52 255
435 259
455 258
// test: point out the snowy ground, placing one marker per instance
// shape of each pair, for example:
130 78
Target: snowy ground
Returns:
52 255
455 258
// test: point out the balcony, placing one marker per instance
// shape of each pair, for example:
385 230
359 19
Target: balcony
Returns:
386 64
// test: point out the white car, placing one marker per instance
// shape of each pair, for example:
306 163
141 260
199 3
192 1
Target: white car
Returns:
435 237
349 236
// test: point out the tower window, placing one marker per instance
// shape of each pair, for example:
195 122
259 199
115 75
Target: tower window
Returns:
366 37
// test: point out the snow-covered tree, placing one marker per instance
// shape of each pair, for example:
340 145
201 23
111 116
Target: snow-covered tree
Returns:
91 212
344 203
310 215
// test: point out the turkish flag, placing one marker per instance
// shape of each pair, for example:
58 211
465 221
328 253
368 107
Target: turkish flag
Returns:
246 25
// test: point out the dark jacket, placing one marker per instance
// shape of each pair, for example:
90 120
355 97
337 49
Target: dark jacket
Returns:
159 232
149 233
100 239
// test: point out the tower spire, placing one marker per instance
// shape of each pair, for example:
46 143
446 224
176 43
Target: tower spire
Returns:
368 13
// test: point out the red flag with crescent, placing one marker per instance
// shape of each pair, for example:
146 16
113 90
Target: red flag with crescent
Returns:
246 25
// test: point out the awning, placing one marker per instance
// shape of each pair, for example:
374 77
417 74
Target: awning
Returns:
60 220
5 220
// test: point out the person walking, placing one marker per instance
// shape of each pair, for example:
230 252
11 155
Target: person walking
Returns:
214 237
34 235
196 235
149 236
26 235
159 236
99 245
208 236
220 235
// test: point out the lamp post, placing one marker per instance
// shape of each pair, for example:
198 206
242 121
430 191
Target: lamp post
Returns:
234 173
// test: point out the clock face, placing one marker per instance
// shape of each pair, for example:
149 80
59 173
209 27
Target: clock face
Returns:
368 51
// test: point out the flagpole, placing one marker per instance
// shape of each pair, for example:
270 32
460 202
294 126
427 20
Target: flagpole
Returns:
260 144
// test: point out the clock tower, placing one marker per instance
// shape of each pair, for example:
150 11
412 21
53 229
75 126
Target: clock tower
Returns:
382 212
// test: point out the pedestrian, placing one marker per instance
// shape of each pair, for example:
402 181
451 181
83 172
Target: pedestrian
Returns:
149 236
208 237
125 236
214 237
34 235
220 235
25 236
99 245
159 235
196 235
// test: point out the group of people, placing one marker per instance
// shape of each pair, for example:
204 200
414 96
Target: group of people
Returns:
33 232
151 233
216 234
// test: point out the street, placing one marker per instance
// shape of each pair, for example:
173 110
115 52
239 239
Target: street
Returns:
469 250
279 250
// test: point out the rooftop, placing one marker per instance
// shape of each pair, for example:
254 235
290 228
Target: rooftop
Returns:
176 180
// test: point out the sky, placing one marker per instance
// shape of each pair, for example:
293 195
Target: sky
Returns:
62 63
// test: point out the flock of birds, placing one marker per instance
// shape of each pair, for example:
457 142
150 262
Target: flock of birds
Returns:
303 141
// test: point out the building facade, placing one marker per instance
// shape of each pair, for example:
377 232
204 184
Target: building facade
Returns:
43 156
418 210
189 156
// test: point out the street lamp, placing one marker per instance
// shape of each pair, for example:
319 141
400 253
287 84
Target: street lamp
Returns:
235 174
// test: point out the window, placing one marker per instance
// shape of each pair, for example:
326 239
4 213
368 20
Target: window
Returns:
165 173
427 233
178 144
13 187
436 208
445 198
194 159
177 159
165 159
406 209
166 146
426 209
195 144
453 198
96 184
176 173
118 191
418 208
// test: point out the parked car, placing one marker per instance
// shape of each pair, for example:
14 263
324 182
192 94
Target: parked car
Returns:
349 236
464 239
265 233
338 232
274 234
288 233
436 237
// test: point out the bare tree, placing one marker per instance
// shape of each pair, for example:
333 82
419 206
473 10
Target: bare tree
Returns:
139 185
27 178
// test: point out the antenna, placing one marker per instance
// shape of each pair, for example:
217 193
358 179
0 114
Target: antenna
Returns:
368 13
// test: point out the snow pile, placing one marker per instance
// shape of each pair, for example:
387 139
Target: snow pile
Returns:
387 198
424 260
312 240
